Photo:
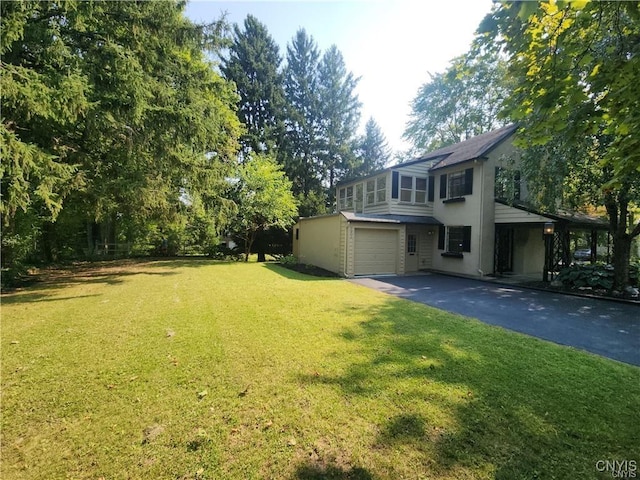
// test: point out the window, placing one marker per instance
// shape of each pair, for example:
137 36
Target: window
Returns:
381 189
421 190
456 239
411 244
349 201
371 192
359 196
507 184
458 184
342 199
406 188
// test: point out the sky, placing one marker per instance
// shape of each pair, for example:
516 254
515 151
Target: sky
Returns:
392 46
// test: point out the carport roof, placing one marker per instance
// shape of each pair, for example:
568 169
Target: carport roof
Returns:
388 218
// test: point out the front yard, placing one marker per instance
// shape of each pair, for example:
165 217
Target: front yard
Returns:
204 370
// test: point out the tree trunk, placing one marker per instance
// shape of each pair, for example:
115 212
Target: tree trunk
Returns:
621 258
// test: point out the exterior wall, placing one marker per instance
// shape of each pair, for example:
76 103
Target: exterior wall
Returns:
398 207
466 213
528 250
377 207
317 241
507 214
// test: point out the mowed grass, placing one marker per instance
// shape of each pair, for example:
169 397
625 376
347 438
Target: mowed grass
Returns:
203 370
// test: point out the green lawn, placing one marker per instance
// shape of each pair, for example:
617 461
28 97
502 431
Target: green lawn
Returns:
196 369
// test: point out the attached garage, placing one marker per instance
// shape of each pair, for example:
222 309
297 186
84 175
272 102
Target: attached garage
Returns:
356 244
376 251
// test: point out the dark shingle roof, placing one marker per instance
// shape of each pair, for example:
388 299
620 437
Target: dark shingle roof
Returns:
475 147
387 218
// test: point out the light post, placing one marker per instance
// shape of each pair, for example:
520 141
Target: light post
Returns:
548 231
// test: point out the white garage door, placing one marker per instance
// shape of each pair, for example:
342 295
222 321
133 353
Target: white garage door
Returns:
376 251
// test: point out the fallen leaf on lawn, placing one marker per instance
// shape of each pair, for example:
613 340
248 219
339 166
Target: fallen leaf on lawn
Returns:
15 342
292 442
170 333
202 394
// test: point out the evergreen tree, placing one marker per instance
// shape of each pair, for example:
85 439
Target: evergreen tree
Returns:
372 150
112 108
253 65
303 121
340 115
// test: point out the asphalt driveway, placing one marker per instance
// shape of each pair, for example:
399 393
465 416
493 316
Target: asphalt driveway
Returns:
603 327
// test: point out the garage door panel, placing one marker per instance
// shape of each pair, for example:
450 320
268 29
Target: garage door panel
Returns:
376 251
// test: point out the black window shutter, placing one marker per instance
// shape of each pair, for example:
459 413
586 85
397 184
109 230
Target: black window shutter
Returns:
395 178
431 188
441 237
443 186
468 181
466 239
516 181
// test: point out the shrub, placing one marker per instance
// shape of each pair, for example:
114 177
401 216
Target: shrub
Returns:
289 260
595 276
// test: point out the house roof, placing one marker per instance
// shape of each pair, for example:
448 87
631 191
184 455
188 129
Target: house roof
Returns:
574 219
475 147
387 218
470 149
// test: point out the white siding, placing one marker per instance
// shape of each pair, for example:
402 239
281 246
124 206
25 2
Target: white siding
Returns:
507 214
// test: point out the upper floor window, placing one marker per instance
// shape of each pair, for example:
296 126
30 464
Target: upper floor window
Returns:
406 188
371 192
456 184
359 197
421 190
412 189
381 189
349 199
507 184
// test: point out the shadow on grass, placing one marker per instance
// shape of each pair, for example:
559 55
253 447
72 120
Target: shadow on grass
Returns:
479 399
38 298
316 471
112 272
304 272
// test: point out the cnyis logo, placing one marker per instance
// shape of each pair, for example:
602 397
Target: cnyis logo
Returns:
618 468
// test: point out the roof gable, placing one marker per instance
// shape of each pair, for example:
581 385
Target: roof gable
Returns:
469 149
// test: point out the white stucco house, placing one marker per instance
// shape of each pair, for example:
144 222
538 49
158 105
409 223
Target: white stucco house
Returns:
460 209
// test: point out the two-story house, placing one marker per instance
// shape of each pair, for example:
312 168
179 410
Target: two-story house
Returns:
457 209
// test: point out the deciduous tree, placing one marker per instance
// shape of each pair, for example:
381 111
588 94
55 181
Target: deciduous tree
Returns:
460 103
577 68
262 193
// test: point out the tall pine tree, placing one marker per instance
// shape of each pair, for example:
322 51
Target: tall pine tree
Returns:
340 115
254 66
303 122
372 150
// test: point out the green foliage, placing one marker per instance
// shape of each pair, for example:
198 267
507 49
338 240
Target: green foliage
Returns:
289 260
576 67
264 199
254 67
112 112
460 103
300 148
340 115
596 276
